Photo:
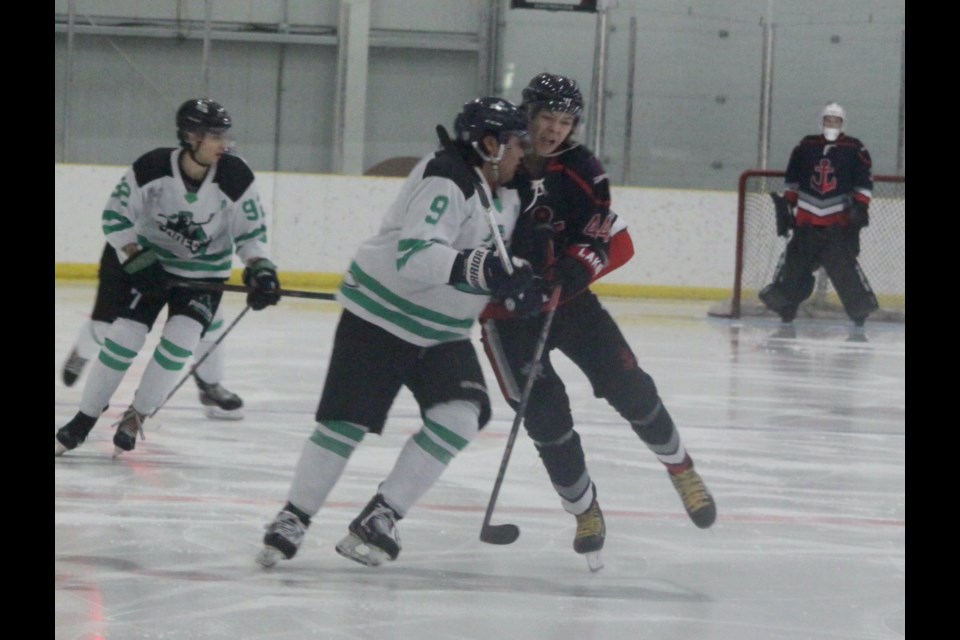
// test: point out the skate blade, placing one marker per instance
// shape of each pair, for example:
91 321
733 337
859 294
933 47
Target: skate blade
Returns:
594 561
216 413
117 452
268 557
355 549
58 449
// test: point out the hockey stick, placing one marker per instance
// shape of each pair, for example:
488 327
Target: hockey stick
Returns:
199 362
508 533
447 144
238 288
505 533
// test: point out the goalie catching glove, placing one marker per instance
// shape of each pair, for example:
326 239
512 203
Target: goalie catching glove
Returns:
146 273
261 277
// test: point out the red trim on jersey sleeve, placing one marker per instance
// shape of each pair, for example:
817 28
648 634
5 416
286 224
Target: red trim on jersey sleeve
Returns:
621 250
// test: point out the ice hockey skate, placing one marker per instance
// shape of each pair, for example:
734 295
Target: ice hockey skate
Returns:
218 402
591 533
693 492
373 537
128 427
72 435
73 367
283 537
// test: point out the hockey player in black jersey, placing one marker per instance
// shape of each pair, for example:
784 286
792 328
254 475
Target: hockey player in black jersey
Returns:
829 184
569 233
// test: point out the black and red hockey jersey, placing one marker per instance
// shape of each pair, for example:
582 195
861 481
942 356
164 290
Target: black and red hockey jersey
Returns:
823 178
570 203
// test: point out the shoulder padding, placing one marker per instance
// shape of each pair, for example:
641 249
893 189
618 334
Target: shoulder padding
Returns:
233 176
153 165
447 165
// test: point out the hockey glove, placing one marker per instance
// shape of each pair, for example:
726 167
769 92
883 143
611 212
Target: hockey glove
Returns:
784 213
261 277
482 269
572 275
146 273
528 303
859 214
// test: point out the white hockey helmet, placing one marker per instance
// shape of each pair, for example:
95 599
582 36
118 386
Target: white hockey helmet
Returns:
835 110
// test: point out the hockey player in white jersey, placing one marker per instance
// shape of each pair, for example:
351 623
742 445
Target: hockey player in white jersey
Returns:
411 296
177 214
112 286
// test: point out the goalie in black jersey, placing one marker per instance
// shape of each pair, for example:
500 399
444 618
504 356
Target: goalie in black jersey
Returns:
826 203
570 235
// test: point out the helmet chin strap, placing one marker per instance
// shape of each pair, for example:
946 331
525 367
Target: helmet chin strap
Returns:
192 153
493 160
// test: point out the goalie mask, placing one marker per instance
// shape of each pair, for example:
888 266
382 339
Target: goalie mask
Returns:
833 131
200 116
553 93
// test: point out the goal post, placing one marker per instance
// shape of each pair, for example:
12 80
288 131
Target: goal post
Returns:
758 250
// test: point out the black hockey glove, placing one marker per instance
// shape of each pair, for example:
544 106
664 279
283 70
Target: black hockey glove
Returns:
859 214
528 303
261 276
146 273
784 213
482 269
572 275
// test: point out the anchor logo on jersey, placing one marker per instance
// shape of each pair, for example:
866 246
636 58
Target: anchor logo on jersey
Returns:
824 178
182 228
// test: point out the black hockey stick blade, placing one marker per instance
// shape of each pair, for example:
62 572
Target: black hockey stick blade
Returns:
237 288
499 533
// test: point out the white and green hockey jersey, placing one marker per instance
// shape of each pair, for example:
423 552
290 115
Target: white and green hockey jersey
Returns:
398 277
193 234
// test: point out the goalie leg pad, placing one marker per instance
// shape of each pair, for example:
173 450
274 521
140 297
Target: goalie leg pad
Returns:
848 279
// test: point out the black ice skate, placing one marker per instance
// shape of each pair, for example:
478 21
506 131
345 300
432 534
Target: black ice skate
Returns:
591 533
131 424
72 435
693 492
373 536
72 368
282 539
218 402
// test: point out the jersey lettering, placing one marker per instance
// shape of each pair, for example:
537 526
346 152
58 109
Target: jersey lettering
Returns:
438 206
595 229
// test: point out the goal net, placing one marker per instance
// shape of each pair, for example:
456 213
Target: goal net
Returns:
758 249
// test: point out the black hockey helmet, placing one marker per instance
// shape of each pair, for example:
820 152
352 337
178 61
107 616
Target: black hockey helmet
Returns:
490 116
200 115
554 93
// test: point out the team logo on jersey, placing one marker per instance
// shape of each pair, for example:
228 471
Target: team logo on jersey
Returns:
182 228
824 178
